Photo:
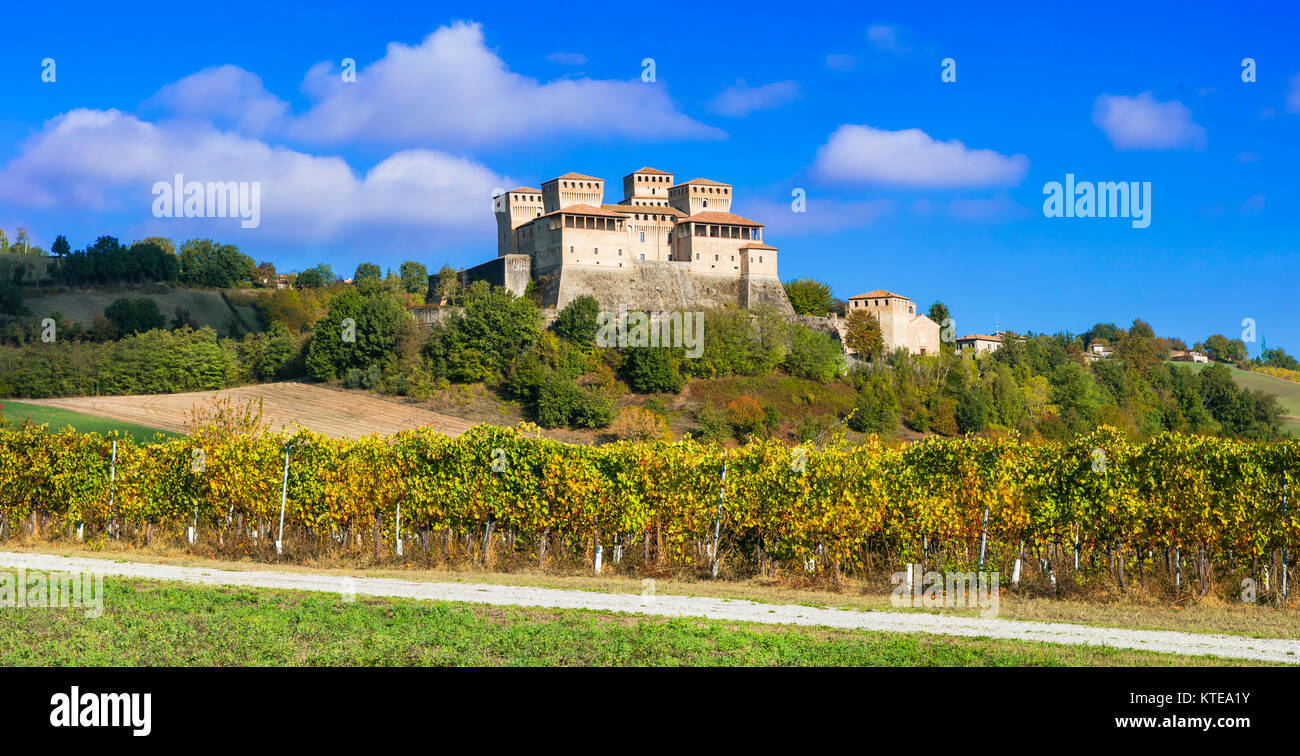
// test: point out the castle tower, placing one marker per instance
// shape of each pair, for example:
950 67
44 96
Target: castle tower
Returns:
513 209
701 195
647 187
572 189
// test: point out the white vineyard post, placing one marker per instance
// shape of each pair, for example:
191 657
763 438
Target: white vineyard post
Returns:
984 537
598 558
112 479
284 493
717 521
1283 583
397 528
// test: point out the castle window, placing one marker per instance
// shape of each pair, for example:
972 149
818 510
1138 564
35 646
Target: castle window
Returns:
643 256
620 253
760 258
568 221
713 230
744 233
570 249
697 255
596 249
706 203
699 230
643 236
715 258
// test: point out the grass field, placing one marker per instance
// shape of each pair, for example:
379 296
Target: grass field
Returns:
148 623
206 305
1287 392
60 418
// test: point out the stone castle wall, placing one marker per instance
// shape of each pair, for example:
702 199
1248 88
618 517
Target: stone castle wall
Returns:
660 286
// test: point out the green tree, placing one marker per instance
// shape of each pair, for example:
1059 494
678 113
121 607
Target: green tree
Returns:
135 315
809 297
938 312
1222 349
447 285
863 335
577 321
315 278
377 319
60 247
813 355
650 370
415 277
367 272
876 407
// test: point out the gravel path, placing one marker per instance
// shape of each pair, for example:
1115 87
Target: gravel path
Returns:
1227 646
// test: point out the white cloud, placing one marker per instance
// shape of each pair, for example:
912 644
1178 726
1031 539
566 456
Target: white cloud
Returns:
1293 95
224 95
453 91
884 37
740 99
108 161
1142 123
911 158
822 215
841 62
567 58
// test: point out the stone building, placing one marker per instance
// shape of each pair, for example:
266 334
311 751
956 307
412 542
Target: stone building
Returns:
979 342
900 324
664 246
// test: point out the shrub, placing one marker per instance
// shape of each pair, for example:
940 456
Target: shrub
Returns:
650 370
577 321
638 424
876 410
746 416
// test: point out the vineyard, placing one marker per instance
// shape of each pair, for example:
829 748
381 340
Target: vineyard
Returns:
1185 511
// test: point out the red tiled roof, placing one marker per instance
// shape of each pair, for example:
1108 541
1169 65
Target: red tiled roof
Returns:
757 245
703 181
720 218
648 169
981 337
576 176
581 209
524 189
879 294
645 209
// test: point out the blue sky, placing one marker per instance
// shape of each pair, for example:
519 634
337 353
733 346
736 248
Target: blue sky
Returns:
927 188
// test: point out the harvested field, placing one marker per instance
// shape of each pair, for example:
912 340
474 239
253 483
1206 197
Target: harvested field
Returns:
334 413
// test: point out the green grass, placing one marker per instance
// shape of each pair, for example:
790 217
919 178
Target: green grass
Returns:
60 418
147 623
83 305
1287 392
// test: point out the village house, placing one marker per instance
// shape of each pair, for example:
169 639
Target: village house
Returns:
900 323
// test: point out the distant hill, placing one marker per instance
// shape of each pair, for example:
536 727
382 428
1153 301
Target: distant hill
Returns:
207 306
1287 392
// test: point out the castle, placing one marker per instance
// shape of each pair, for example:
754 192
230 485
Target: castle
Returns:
665 246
